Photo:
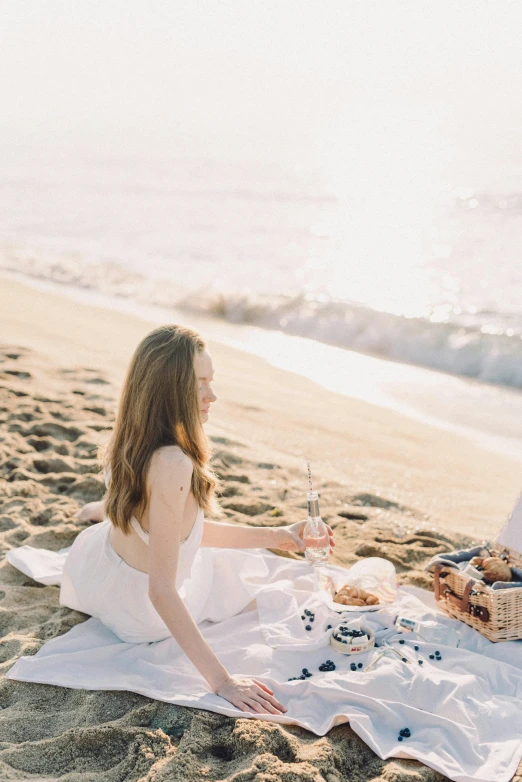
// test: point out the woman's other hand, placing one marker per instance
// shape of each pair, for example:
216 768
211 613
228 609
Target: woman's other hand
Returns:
291 538
250 695
93 511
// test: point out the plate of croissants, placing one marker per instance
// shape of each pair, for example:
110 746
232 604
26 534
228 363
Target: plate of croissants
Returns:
368 585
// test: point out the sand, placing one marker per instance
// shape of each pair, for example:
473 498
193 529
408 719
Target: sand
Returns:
389 486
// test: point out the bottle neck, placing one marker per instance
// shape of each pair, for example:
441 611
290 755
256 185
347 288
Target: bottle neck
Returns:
313 505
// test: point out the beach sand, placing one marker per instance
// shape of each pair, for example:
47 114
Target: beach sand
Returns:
389 486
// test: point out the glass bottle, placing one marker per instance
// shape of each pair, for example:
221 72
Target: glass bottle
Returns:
315 534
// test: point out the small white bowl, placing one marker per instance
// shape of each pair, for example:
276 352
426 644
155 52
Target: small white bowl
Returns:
357 645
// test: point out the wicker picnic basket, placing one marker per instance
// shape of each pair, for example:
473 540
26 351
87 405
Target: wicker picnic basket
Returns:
497 614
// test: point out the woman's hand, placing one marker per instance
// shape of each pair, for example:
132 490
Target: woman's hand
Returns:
250 695
93 511
291 538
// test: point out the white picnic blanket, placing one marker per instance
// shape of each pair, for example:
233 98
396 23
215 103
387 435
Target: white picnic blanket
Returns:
464 712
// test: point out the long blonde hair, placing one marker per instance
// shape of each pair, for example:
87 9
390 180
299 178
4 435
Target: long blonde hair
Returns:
158 406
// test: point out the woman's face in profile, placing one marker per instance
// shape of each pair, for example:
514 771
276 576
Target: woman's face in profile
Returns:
204 377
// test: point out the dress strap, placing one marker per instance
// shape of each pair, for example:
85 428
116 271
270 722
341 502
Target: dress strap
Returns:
145 535
139 529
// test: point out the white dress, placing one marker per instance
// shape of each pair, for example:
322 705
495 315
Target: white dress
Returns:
464 712
97 581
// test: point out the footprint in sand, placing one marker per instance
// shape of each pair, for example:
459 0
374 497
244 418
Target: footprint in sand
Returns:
250 509
60 432
16 373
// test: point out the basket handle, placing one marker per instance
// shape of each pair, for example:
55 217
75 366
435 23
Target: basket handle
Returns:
462 604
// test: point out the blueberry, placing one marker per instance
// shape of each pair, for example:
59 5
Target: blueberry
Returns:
432 656
302 676
359 665
303 616
416 648
399 738
404 659
308 627
438 654
401 641
353 667
421 662
345 640
329 662
305 670
308 674
311 618
406 732
329 627
331 667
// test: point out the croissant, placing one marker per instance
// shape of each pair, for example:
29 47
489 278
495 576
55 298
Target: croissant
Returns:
352 595
353 592
345 600
495 569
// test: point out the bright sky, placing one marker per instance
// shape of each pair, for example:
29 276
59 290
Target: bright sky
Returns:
251 78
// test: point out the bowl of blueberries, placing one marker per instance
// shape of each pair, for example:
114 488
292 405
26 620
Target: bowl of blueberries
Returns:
352 640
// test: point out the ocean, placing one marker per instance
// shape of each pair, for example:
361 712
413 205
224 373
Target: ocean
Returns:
426 275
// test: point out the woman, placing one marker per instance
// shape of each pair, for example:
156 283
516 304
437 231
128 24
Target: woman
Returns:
161 483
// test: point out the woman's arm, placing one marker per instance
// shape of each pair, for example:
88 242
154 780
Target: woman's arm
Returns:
170 480
219 534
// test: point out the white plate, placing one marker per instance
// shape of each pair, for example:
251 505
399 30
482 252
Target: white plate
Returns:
339 608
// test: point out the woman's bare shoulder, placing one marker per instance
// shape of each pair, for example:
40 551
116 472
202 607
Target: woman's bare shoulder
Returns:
169 460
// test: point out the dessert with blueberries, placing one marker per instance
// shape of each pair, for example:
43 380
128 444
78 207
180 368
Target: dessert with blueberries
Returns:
351 640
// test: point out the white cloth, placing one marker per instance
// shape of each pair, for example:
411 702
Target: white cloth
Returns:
464 712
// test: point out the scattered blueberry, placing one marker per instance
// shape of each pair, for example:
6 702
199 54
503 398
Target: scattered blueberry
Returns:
303 616
404 659
421 662
432 656
305 670
399 738
416 648
437 654
302 676
401 641
406 732
307 612
353 667
311 618
329 627
359 665
308 627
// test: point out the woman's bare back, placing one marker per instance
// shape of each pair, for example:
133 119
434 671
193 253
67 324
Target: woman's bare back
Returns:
131 547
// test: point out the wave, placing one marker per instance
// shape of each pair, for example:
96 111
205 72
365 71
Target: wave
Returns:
449 347
467 350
